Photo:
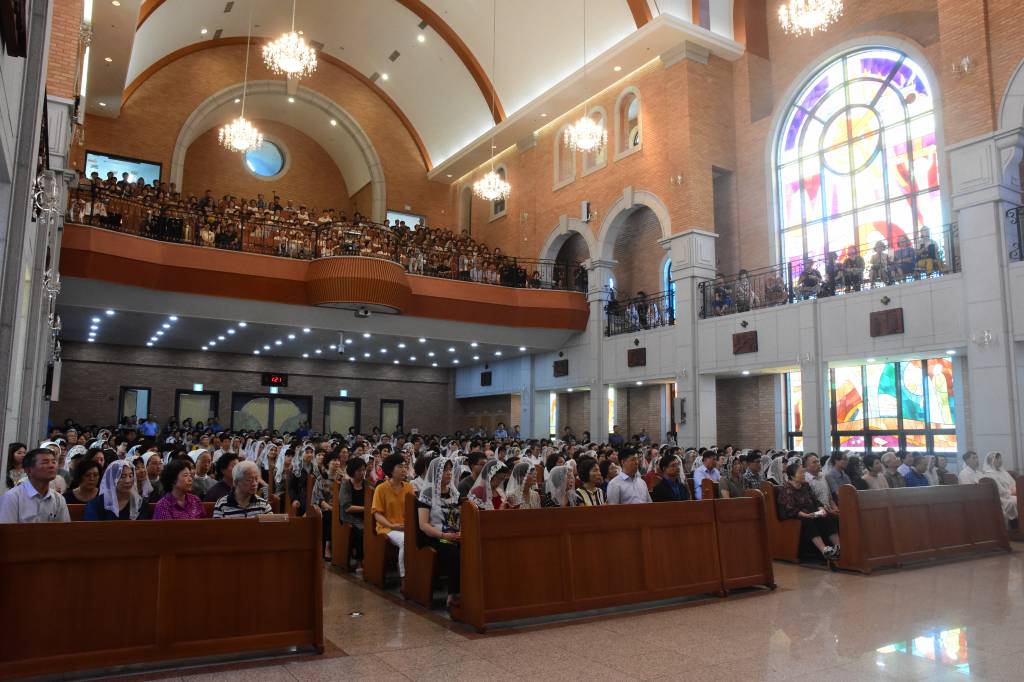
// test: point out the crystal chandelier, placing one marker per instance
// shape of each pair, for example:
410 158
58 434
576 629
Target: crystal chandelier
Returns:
289 54
240 135
799 17
492 187
586 134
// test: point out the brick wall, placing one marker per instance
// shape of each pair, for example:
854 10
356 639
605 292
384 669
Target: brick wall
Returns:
93 375
574 412
638 254
65 49
746 412
485 412
639 408
312 178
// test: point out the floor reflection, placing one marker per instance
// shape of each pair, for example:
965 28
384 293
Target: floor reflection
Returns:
948 647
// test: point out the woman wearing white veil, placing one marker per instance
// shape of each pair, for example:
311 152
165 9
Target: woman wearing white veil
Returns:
118 499
1004 481
484 492
777 470
437 516
521 489
559 487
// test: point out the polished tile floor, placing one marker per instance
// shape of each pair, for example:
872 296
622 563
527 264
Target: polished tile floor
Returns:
955 621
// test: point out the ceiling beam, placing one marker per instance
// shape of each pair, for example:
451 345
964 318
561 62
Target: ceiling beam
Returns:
434 21
641 12
257 40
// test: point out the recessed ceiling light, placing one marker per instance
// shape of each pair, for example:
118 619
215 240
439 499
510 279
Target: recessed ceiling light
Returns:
266 347
115 3
522 349
334 122
366 335
212 343
348 341
871 359
333 347
205 348
449 175
423 340
241 324
617 69
237 100
92 333
474 344
277 342
92 340
306 330
305 355
203 32
745 372
108 59
318 351
412 358
173 318
476 357
395 361
950 352
383 350
543 115
93 327
366 355
384 76
103 104
231 331
291 99
430 354
220 337
165 325
149 344
96 319
351 359
455 361
110 312
153 339
256 352
570 390
451 350
159 332
433 364
401 345
421 38
291 336
639 383
497 352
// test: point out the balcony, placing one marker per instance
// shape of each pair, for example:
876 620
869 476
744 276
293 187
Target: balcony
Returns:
832 274
640 313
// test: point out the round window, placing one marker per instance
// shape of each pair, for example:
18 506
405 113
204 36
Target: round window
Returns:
266 161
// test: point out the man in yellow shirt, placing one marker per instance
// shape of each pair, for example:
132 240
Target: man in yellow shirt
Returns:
389 505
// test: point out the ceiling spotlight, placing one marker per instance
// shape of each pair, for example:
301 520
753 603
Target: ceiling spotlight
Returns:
617 69
522 349
149 344
476 357
110 312
366 335
165 325
421 38
455 361
333 347
474 344
108 59
348 341
241 324
306 330
159 332
639 383
498 353
205 348
96 319
451 350
401 345
950 352
93 327
305 355
366 355
211 343
92 340
278 342
266 347
256 352
423 340
351 359
871 359
203 32
153 339
412 358
220 337
384 76
449 175
115 3
543 115
334 122
745 372
395 361
92 333
103 104
318 351
173 318
433 364
231 331
237 100
291 337
430 354
291 99
383 350
570 390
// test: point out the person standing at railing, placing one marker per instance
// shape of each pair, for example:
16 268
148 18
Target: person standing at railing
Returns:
853 269
928 260
881 263
905 257
746 297
809 282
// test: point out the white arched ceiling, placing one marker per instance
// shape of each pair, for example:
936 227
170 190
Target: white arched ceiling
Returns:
311 113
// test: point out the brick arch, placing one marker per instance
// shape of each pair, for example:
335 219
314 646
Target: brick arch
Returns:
1011 110
617 216
565 229
192 128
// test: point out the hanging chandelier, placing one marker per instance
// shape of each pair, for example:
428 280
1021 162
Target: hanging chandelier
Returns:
289 54
799 17
586 134
492 187
240 135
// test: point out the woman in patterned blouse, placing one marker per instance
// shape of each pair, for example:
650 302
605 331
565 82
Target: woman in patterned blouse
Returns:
178 502
797 501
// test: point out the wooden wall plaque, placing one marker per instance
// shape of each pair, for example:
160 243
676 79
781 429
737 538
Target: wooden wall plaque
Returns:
636 357
744 342
560 368
886 322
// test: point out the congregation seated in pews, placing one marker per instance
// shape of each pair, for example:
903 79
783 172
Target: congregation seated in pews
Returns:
282 228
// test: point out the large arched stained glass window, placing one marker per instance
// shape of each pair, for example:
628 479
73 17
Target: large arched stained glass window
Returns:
856 161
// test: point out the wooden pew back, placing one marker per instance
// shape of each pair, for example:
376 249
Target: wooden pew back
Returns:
783 535
165 617
1017 534
420 562
525 563
341 534
895 526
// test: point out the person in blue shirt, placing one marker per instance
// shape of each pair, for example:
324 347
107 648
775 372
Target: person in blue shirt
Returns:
916 476
150 427
615 438
500 432
706 470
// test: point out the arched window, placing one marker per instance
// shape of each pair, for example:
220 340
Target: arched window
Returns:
628 130
596 159
498 206
565 160
856 159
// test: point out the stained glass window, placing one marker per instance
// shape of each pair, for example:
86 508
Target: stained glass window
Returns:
794 411
856 160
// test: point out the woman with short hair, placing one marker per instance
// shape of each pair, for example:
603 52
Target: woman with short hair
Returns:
352 500
178 502
797 501
85 482
590 493
672 486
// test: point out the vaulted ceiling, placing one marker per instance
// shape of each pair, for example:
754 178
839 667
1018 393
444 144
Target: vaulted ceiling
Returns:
442 80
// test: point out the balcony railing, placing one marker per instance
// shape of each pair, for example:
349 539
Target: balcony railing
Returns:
287 239
642 312
832 274
1016 217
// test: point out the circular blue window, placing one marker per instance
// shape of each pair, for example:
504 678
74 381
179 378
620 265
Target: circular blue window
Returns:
266 162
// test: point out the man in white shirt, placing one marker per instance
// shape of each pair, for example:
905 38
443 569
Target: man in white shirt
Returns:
628 487
706 470
971 473
815 479
32 501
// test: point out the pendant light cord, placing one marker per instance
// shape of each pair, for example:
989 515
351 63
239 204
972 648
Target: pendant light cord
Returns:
494 59
248 39
293 15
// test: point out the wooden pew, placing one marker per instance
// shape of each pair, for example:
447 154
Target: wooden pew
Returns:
525 563
689 485
166 618
783 535
77 511
341 535
893 527
1017 534
375 547
708 489
420 562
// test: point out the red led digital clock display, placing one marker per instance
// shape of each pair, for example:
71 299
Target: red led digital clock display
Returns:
271 379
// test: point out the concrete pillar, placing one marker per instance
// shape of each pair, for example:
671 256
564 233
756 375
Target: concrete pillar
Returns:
985 183
598 272
693 261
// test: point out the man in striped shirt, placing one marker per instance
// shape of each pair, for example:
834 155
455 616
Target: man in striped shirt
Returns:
242 502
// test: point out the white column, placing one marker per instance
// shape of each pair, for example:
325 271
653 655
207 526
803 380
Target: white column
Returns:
986 182
598 272
693 261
